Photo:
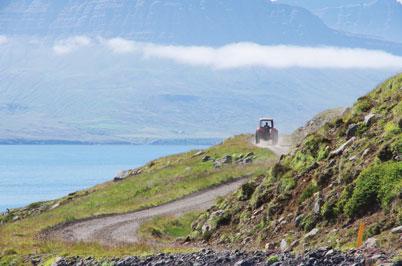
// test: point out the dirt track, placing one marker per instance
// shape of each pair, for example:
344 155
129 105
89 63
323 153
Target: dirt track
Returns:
120 229
279 149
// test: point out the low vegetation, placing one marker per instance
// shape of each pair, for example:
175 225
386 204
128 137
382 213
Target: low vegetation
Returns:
168 228
378 185
158 182
343 173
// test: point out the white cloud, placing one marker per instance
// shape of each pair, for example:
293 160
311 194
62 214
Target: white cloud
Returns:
399 1
3 39
120 45
241 55
69 45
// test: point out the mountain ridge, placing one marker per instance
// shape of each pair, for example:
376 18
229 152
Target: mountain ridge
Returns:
210 22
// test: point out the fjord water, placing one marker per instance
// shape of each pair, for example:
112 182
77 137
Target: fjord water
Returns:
30 173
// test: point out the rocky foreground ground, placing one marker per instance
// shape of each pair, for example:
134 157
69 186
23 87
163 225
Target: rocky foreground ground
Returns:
323 256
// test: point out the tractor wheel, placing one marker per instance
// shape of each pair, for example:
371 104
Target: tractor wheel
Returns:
257 138
275 138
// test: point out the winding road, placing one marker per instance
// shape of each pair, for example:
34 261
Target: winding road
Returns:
279 149
122 228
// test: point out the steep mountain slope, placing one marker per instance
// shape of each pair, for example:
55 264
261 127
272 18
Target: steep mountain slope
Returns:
380 19
197 22
347 172
160 181
319 4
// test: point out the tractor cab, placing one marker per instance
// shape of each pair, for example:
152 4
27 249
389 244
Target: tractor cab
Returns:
266 123
266 131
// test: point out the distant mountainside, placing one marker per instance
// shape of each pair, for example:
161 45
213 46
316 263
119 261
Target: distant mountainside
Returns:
320 4
196 22
381 19
94 95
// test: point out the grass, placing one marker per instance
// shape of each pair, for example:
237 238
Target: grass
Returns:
168 228
161 181
309 191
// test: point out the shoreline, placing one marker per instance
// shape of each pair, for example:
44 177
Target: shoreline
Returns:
156 142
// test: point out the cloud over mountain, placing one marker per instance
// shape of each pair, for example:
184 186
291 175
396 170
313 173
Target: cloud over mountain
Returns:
3 40
68 45
239 55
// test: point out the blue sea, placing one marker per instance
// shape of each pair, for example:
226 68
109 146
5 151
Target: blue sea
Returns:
30 173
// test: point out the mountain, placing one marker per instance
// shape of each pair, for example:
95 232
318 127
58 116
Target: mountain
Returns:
196 22
319 4
91 94
381 19
345 173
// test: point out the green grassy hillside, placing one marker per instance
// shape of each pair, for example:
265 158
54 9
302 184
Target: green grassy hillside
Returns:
347 172
157 182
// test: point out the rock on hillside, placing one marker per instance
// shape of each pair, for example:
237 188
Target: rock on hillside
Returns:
347 172
315 123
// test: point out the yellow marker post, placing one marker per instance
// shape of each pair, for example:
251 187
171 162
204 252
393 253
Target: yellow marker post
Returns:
360 233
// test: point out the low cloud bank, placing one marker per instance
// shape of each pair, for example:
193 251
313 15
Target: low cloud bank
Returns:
69 45
241 55
3 39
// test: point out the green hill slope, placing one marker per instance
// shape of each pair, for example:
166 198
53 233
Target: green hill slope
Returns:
158 182
347 172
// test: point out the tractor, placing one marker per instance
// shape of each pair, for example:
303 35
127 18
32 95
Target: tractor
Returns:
266 131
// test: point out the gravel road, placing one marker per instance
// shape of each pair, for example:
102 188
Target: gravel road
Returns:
279 149
120 229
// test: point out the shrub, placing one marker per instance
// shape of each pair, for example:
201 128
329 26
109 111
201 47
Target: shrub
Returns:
272 259
363 104
391 128
396 147
343 199
35 205
287 183
301 161
8 252
69 219
246 191
327 210
309 191
323 153
309 222
376 186
315 145
261 195
278 170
